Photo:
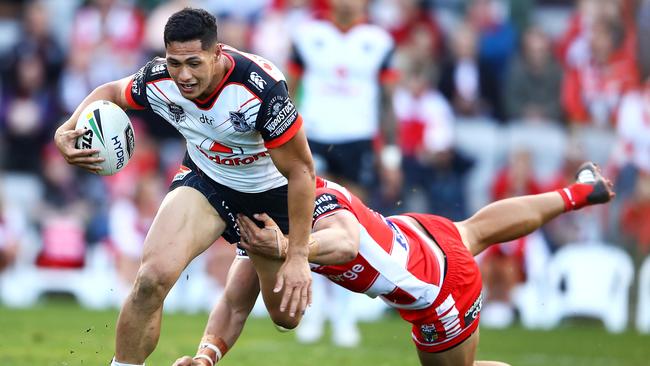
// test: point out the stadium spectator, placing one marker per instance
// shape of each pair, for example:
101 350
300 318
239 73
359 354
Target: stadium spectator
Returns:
464 80
592 91
246 151
426 128
534 81
634 218
343 65
420 264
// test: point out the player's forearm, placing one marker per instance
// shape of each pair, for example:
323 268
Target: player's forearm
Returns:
513 218
302 184
332 246
388 119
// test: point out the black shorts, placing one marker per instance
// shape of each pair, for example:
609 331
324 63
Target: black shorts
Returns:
353 161
229 202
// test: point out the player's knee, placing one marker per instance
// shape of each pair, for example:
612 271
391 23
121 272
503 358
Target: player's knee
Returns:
152 284
282 319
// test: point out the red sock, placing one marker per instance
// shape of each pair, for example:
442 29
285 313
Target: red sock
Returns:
575 196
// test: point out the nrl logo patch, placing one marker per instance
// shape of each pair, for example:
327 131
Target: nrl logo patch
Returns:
429 332
238 120
176 113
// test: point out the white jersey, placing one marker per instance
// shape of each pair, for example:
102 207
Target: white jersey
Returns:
227 133
341 74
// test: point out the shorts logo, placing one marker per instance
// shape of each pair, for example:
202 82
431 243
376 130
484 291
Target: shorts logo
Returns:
474 310
182 172
429 332
176 113
257 80
238 120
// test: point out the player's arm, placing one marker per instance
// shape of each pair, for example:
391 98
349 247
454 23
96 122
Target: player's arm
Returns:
66 135
334 240
228 316
293 160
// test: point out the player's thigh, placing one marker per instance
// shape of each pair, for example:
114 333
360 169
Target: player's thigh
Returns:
185 225
242 285
461 355
267 271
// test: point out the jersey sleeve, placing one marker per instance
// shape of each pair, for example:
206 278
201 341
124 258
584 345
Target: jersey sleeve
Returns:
278 120
328 202
136 91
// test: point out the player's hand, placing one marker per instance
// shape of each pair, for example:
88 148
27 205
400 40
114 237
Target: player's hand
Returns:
267 241
66 140
295 277
189 361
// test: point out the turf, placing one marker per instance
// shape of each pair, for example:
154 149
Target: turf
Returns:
62 334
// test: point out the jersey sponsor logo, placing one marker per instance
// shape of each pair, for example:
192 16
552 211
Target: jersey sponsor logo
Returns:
238 161
429 332
239 123
138 79
474 310
206 120
158 69
325 203
281 115
349 275
176 113
257 80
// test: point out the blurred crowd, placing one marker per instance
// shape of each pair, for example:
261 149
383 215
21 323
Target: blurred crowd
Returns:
494 98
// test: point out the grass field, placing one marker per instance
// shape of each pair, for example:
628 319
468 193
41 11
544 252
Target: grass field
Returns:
62 334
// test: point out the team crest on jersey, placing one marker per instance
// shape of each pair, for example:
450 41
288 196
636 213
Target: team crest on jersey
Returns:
238 120
176 113
429 332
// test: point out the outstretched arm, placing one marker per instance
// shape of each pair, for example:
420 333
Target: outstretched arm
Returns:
335 238
228 317
512 218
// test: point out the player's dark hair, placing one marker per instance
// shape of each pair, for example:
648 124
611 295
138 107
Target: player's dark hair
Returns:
191 24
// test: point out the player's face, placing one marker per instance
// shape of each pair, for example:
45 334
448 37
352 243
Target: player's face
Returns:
193 68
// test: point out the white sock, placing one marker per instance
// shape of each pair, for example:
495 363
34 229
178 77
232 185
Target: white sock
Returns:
115 363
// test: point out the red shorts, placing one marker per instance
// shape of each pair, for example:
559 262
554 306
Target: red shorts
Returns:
455 314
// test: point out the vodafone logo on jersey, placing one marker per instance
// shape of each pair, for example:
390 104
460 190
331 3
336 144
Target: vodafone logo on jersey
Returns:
238 161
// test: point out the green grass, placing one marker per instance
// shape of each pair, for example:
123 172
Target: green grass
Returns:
62 334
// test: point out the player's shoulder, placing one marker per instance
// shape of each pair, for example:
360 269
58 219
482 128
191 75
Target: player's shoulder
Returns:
154 70
253 71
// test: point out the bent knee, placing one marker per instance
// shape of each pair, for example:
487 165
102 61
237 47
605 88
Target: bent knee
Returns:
282 319
152 284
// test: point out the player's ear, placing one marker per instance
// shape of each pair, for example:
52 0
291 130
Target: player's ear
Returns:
218 50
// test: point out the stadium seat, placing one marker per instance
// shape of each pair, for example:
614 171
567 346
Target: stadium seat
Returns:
643 307
92 285
593 280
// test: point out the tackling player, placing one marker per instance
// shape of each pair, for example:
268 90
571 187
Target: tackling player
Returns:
420 264
246 152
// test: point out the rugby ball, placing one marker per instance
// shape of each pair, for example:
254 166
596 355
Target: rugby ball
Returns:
109 130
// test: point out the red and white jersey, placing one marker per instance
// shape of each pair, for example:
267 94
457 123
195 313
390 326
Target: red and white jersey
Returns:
395 261
341 74
228 133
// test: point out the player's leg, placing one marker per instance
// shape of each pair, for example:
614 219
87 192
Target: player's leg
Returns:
229 314
185 225
267 270
461 355
512 218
